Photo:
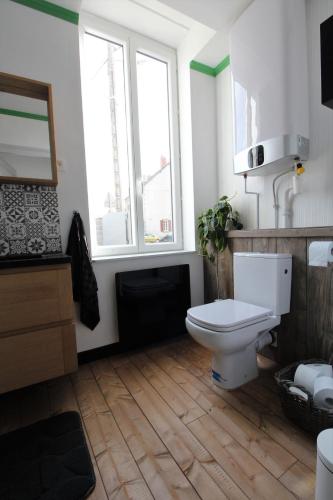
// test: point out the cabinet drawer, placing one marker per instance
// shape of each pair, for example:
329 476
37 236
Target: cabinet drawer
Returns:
29 299
32 357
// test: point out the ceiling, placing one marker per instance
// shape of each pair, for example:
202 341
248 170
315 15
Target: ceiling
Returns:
170 21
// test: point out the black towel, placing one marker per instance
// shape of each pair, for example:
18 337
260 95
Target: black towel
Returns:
84 280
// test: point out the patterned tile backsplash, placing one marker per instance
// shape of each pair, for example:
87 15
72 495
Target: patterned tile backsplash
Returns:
29 220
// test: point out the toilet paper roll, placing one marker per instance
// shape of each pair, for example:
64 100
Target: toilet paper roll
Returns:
323 393
298 392
323 369
320 253
306 377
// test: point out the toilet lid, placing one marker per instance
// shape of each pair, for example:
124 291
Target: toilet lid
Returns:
325 448
224 315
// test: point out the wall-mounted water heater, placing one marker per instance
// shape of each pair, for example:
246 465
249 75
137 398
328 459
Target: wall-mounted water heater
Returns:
268 57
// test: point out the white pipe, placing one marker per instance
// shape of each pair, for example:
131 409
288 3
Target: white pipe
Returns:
289 197
296 184
276 205
265 339
256 194
288 202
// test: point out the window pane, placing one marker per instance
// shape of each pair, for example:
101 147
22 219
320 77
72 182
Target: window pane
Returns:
154 130
109 179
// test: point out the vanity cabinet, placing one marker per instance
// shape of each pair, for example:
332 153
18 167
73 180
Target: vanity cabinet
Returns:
37 332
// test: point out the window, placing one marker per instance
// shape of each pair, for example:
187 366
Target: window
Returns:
132 143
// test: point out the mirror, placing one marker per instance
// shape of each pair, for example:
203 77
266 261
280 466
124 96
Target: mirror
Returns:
27 145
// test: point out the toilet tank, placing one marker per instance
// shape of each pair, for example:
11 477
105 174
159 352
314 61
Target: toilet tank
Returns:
263 279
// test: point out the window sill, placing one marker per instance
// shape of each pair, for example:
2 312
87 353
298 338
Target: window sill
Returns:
143 255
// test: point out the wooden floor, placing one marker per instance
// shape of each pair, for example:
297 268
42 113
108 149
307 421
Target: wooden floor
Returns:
157 428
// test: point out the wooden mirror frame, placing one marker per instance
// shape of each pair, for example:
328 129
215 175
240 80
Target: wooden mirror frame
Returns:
38 90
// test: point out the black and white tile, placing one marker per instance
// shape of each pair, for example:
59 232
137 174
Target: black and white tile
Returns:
29 220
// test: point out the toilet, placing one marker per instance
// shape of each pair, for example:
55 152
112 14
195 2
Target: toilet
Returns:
234 330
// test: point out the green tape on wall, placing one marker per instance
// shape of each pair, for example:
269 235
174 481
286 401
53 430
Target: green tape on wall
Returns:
202 68
208 70
222 65
23 114
51 9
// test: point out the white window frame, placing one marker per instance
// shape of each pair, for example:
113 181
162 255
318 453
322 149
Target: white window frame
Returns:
132 43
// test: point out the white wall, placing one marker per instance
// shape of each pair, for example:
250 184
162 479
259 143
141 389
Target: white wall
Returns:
203 105
41 47
314 206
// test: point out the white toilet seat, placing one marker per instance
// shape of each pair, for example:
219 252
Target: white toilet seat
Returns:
227 315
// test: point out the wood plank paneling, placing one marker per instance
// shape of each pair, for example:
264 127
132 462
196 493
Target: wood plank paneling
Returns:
319 330
210 284
225 267
296 232
240 245
292 339
307 331
266 245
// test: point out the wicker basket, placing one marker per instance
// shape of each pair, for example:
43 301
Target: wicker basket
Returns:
303 413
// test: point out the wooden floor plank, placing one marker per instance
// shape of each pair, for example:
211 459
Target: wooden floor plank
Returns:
163 476
262 447
205 474
182 375
262 481
119 472
266 417
179 401
255 481
156 427
89 396
300 480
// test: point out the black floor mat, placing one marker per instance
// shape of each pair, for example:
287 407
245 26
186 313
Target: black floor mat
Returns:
48 460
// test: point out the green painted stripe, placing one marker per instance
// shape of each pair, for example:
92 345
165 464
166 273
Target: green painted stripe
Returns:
208 70
23 114
202 68
51 9
222 65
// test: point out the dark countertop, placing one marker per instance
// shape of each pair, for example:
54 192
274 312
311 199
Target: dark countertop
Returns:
33 260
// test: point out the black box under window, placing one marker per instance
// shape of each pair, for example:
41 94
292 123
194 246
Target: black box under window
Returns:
152 304
326 40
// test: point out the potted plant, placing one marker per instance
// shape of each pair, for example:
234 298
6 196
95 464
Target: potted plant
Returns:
213 225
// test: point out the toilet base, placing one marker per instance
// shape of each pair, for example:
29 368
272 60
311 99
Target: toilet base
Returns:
230 371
